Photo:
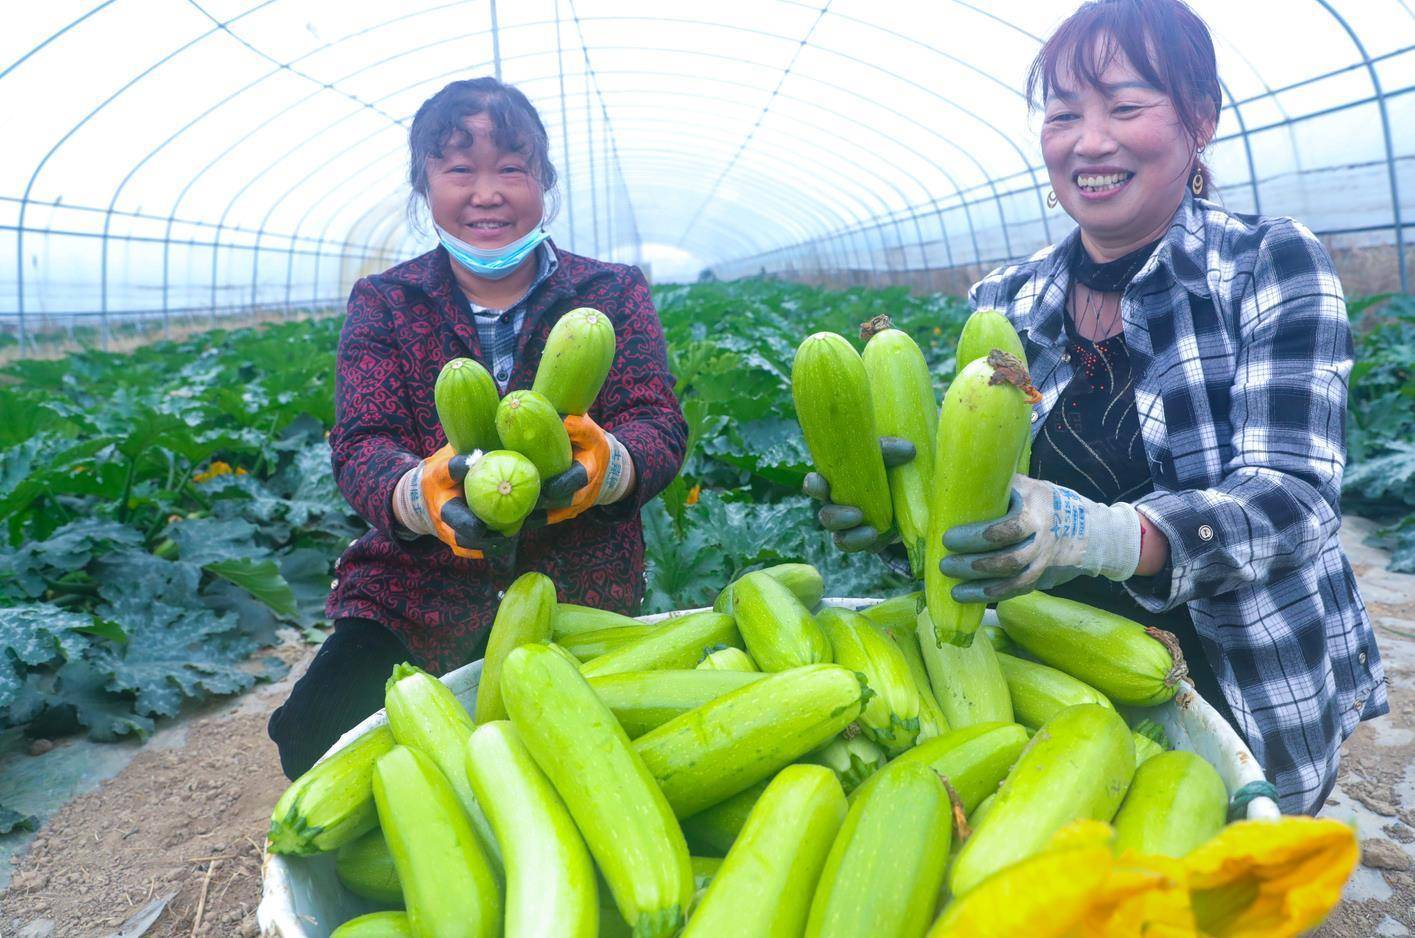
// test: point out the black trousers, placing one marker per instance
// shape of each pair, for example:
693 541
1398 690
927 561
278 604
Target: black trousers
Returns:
344 684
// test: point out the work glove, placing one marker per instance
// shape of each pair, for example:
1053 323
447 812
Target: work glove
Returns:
846 522
1049 535
430 500
602 473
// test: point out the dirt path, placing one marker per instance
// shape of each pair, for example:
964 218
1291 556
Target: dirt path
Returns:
176 823
186 821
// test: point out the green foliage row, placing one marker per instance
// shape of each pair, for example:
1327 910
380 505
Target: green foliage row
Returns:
162 513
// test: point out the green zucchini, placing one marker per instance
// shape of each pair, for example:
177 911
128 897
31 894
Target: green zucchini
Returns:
527 423
1130 664
466 399
623 815
550 880
832 395
675 643
763 888
448 884
802 579
523 617
852 756
587 646
985 330
997 637
981 430
578 355
1150 740
572 619
897 612
891 715
967 680
884 870
502 487
376 925
1077 766
332 803
1175 802
981 811
897 618
1039 692
776 627
974 759
905 406
727 659
425 715
711 753
645 700
713 830
1145 748
366 869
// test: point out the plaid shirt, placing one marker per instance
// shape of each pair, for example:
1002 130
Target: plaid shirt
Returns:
1238 332
497 328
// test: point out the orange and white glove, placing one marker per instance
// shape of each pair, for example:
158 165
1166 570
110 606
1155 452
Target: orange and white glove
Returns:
430 500
601 474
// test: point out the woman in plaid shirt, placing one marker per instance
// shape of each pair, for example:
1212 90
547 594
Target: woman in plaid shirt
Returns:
423 584
1193 364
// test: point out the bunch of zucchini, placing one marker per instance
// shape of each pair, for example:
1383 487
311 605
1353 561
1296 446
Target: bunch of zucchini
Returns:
804 755
522 436
965 451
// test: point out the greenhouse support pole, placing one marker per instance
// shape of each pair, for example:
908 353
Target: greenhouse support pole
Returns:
1390 147
495 42
565 133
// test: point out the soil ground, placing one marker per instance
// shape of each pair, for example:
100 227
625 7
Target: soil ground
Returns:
178 830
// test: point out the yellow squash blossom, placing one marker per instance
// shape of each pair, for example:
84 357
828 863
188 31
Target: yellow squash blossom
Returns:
1262 879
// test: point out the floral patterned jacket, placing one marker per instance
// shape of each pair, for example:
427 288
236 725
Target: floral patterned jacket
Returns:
402 326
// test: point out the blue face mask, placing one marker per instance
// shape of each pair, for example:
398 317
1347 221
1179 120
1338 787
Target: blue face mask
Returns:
493 263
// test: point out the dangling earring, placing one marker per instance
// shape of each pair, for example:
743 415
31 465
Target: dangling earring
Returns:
1196 185
1051 198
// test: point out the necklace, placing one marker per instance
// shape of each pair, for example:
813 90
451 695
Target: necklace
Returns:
1103 281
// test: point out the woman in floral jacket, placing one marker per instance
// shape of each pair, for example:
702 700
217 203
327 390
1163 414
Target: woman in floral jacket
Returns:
422 585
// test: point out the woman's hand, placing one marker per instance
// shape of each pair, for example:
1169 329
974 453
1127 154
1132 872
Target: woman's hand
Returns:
602 473
430 499
845 522
1049 535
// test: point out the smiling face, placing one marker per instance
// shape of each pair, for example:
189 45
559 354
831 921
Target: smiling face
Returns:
1118 157
480 193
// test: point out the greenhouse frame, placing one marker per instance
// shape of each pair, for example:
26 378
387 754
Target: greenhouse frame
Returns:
214 159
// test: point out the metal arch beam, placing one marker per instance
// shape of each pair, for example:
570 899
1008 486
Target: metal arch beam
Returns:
279 68
388 59
385 155
788 208
904 200
1030 169
1026 165
337 213
1390 147
989 180
755 125
927 192
53 36
29 186
688 131
290 191
667 160
983 171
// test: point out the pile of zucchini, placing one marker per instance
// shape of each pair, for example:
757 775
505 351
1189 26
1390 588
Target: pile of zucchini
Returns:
767 767
522 436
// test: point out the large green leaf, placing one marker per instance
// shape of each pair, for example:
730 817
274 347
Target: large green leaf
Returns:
260 578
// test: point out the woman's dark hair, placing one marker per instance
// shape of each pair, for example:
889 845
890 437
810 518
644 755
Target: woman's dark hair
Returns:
1166 42
516 127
